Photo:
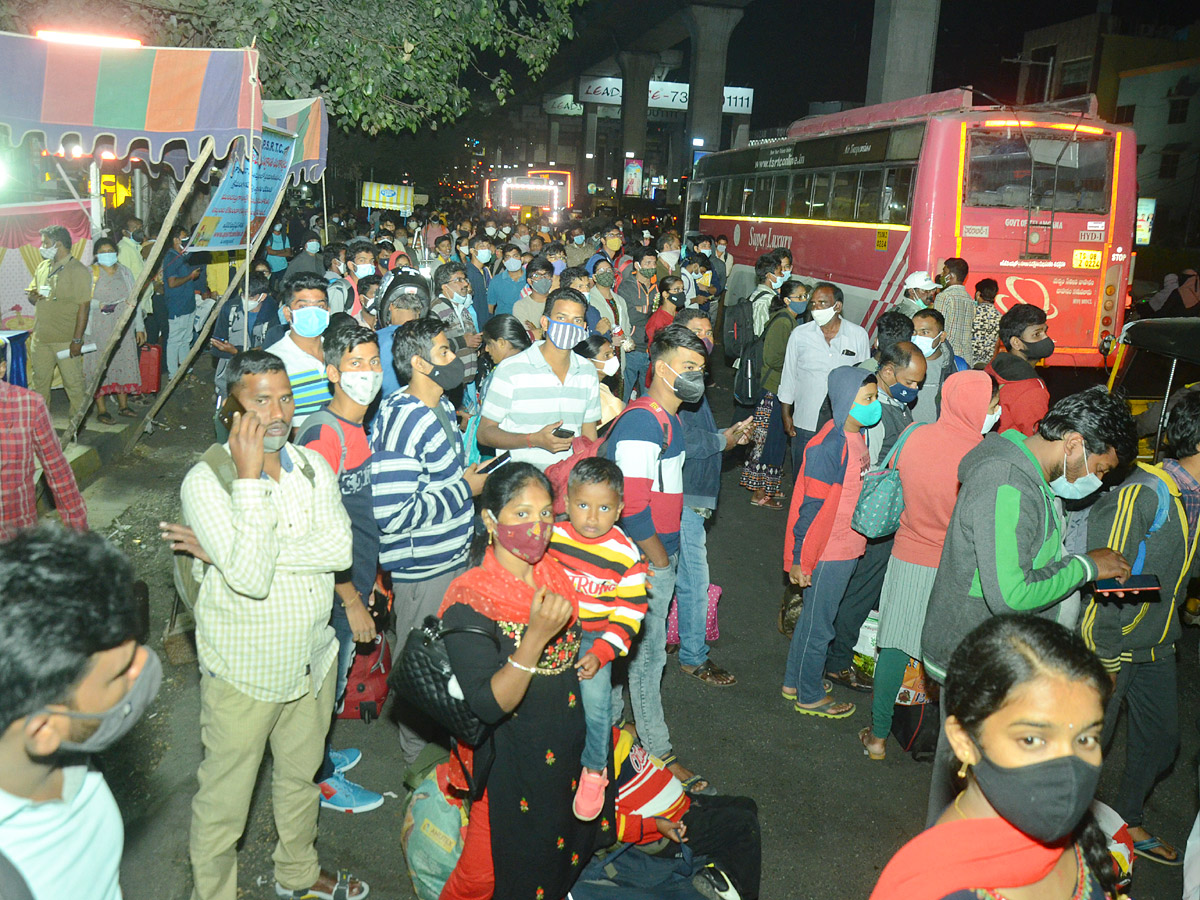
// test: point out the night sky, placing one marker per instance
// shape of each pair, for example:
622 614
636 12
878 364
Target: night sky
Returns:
830 61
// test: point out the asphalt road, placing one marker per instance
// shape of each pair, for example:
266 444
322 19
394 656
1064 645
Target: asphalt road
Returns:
831 818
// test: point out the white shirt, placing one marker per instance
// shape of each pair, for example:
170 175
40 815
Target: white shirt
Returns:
69 847
808 361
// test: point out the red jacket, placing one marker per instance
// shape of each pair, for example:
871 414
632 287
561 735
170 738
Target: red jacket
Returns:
1024 399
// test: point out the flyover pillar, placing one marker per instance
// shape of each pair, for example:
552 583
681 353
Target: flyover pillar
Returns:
552 144
587 162
709 28
903 38
636 69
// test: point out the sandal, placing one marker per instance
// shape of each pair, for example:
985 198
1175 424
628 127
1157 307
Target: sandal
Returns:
767 503
127 413
827 710
710 673
791 698
1145 849
105 418
689 783
852 678
863 737
343 889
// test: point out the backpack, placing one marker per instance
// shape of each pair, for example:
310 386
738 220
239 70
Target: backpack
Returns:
748 374
367 683
916 728
187 584
559 473
739 324
1075 535
881 500
324 417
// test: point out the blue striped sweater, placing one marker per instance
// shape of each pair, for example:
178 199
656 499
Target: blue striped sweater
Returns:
422 503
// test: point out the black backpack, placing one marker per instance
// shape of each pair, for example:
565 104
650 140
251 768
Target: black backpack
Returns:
748 373
916 728
739 324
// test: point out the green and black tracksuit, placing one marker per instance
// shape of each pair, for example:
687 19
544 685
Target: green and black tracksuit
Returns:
1004 549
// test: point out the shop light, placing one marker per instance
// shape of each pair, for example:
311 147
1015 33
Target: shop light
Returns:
86 40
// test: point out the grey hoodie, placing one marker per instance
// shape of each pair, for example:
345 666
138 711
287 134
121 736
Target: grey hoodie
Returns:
1004 549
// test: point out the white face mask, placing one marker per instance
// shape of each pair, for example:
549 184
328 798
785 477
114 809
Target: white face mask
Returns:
364 270
609 367
48 252
669 258
990 420
824 316
928 345
361 387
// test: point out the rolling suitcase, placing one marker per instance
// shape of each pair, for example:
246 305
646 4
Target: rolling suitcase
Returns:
150 364
367 682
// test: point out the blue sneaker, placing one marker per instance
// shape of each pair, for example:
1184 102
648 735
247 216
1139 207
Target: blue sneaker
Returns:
348 797
344 760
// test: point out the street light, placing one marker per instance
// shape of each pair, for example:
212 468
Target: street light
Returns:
629 154
87 40
589 156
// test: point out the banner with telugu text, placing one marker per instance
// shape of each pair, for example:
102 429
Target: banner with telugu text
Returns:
223 225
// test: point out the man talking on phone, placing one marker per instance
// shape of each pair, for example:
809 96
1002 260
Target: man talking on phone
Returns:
1150 519
268 521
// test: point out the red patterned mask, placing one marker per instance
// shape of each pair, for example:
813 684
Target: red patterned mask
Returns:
527 541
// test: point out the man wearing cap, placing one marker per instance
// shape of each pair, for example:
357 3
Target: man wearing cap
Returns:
919 290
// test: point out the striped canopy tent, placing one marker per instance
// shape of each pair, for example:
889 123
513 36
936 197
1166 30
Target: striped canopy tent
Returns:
305 119
144 98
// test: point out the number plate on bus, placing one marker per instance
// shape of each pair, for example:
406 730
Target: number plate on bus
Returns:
1087 259
1091 237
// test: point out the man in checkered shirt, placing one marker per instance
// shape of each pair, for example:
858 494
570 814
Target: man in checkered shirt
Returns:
272 541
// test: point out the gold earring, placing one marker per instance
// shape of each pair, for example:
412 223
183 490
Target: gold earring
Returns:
962 771
491 534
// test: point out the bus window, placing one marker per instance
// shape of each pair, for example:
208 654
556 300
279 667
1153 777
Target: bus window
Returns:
731 201
747 208
762 196
779 196
712 197
896 194
870 187
845 192
820 195
1051 170
798 205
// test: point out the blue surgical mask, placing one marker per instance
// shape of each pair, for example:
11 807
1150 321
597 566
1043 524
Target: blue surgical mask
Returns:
559 265
867 414
106 259
312 246
512 264
310 321
464 299
578 239
483 255
903 393
1080 487
798 306
282 318
564 335
364 270
707 251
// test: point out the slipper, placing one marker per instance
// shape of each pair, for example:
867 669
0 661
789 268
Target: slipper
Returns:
710 673
791 698
853 678
767 503
689 784
105 418
1145 849
824 710
341 890
127 413
863 737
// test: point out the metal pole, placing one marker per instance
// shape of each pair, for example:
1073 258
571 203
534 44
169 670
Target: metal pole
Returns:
1049 78
1162 417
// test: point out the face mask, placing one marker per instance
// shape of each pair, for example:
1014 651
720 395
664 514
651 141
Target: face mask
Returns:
784 275
48 252
902 392
647 270
677 297
564 335
542 285
138 236
527 541
483 255
927 345
106 259
1080 487
613 244
1039 349
606 278
824 316
462 251
545 229
721 249
490 231
282 318
610 366
867 414
116 722
798 306
559 265
310 321
578 239
688 386
505 231
361 387
669 257
1045 800
277 229
364 270
462 299
512 265
312 246
707 251
449 376
990 420
273 443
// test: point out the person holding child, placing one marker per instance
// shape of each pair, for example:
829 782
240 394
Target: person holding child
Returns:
607 570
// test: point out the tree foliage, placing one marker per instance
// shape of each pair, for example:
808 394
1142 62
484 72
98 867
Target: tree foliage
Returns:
382 65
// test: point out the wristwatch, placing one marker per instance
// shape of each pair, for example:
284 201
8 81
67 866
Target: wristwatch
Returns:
77 340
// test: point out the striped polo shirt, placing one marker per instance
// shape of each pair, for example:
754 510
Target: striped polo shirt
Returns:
310 386
423 505
525 396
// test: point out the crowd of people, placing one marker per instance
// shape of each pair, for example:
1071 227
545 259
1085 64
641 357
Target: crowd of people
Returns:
508 429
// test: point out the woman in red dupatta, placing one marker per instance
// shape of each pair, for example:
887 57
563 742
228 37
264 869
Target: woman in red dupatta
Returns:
523 841
1024 708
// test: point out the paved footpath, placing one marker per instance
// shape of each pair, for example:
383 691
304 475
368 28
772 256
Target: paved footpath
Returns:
831 818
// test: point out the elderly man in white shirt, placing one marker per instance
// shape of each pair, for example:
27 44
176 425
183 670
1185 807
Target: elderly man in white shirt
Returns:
814 350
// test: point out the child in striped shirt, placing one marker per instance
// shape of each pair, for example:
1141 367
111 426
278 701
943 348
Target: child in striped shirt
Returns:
607 570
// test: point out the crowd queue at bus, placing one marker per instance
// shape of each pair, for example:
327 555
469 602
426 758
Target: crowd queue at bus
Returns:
397 359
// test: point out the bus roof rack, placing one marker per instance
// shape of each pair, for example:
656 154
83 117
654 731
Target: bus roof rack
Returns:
1085 103
874 116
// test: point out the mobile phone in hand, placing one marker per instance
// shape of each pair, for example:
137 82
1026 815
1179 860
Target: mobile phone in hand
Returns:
228 408
562 433
493 464
1134 584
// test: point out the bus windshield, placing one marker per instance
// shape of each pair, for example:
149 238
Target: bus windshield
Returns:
1039 170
